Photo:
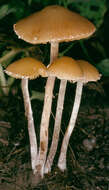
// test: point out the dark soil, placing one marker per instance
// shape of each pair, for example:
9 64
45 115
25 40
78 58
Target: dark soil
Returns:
88 153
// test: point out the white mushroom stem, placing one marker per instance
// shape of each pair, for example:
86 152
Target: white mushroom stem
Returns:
46 115
62 157
54 51
57 125
31 129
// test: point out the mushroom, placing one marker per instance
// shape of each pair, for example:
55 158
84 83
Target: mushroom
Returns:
90 73
64 68
28 68
52 24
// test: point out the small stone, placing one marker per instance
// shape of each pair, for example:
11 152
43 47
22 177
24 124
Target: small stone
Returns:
89 144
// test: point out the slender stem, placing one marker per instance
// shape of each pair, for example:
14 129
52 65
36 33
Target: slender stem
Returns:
46 115
54 51
31 129
57 125
62 157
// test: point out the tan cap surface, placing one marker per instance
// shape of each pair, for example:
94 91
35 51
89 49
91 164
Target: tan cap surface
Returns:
65 68
53 23
26 68
89 71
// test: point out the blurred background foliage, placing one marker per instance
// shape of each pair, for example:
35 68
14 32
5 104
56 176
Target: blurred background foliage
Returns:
94 49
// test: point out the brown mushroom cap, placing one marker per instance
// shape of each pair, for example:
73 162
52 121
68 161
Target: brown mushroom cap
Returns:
53 23
27 67
89 71
65 68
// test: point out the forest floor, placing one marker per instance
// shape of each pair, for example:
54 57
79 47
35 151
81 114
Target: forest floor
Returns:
88 153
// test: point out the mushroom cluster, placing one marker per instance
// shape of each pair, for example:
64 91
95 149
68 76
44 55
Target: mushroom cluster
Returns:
53 24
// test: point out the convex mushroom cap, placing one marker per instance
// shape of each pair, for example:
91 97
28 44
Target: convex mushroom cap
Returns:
90 73
65 68
27 67
53 23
